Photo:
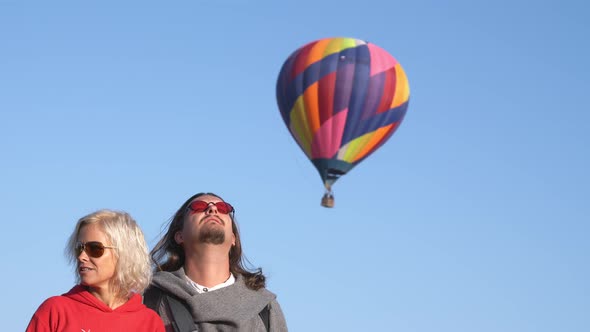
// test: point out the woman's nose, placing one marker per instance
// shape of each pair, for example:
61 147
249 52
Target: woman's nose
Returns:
83 256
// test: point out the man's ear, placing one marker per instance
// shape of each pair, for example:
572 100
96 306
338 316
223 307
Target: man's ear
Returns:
178 237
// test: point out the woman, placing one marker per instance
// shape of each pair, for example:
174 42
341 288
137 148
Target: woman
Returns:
112 270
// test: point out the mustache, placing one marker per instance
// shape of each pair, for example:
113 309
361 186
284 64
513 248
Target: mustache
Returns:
212 217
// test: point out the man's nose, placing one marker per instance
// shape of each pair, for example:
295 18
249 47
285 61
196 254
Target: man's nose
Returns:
211 208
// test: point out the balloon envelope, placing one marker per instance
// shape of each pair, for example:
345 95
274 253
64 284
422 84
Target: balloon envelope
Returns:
341 99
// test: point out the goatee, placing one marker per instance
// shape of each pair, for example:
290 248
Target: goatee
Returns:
212 235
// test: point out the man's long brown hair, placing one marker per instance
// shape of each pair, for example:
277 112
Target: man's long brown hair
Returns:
168 255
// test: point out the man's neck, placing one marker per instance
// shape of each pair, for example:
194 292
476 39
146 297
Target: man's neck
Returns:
207 266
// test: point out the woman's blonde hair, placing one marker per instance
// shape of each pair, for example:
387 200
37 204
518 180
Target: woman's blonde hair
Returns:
132 271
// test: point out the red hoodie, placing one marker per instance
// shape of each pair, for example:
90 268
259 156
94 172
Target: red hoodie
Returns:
80 311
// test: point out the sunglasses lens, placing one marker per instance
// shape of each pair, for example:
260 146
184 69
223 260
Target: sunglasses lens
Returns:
224 207
79 247
94 249
198 206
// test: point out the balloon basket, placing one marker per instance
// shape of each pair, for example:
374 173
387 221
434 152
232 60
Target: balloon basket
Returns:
328 200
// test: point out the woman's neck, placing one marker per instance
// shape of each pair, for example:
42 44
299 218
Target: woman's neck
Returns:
109 298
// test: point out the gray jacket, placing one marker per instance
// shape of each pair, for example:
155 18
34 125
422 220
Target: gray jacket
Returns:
232 308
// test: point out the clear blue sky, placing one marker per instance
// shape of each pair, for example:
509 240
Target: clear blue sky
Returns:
472 217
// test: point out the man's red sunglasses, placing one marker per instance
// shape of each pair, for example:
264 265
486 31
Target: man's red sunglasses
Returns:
200 206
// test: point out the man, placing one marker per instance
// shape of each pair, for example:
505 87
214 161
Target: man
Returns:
201 283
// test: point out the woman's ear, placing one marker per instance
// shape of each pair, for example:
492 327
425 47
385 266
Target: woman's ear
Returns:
178 237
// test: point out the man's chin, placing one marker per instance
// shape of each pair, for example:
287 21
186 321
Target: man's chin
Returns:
212 237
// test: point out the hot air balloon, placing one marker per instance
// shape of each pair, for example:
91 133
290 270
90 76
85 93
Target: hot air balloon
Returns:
341 99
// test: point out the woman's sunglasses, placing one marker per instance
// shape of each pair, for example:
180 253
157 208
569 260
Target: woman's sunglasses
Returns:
93 249
200 206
